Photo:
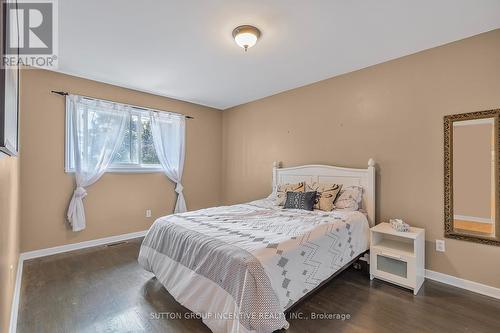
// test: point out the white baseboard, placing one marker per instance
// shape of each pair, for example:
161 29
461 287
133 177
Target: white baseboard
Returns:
55 250
463 284
473 219
81 245
15 297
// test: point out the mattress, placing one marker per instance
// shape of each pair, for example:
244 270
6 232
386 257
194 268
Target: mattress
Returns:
240 267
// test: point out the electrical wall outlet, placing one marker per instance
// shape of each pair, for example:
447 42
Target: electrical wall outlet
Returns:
440 245
148 212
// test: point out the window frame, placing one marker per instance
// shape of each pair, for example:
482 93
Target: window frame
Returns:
114 167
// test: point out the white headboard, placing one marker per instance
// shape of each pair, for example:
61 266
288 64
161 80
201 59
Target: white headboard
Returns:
332 174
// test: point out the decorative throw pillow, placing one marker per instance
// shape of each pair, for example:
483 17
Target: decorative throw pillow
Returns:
350 198
300 200
327 193
282 189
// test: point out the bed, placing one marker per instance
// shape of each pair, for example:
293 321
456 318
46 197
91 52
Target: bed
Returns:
240 268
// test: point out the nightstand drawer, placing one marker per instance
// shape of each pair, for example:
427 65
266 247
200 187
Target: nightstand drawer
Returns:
393 266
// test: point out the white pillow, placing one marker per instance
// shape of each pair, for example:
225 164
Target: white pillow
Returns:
349 198
272 196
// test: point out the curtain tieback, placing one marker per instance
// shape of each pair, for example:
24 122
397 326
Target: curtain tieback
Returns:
80 192
179 188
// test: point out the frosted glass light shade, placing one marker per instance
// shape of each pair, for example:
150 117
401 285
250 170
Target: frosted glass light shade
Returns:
246 36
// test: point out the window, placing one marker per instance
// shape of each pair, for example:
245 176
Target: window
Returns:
136 152
137 149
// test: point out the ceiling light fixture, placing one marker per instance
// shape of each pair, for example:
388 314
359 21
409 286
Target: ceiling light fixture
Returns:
246 36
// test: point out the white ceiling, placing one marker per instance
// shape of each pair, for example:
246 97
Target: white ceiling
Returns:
184 49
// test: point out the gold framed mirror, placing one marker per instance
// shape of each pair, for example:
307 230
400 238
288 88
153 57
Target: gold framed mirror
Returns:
471 177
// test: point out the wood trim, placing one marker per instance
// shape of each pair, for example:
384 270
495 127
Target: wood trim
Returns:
473 219
451 280
449 230
15 297
81 245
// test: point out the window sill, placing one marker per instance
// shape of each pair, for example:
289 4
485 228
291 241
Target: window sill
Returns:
128 170
134 170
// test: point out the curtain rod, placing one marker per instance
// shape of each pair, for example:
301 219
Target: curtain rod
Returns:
63 93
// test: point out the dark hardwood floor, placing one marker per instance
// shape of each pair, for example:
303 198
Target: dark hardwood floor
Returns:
103 289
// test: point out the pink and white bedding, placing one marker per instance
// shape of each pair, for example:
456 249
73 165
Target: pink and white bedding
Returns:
240 267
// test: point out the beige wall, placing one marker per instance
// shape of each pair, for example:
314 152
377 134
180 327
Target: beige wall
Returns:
9 234
472 170
392 112
116 204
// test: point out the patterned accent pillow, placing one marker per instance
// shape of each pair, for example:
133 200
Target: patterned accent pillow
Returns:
350 198
300 200
282 189
327 193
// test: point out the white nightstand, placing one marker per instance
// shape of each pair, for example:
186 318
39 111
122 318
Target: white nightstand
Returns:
398 257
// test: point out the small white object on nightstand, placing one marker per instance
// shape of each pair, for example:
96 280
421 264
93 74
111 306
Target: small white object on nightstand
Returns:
398 257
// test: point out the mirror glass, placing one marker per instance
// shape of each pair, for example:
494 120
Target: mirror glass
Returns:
474 177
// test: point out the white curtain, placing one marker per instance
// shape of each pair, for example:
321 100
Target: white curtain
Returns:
169 140
97 129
